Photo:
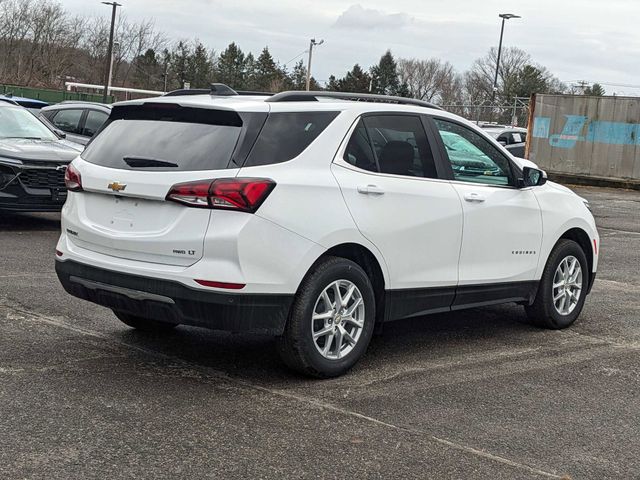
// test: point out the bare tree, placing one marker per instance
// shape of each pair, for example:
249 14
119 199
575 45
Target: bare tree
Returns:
134 39
479 79
39 39
426 79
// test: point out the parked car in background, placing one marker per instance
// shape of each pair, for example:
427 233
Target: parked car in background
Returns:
512 138
31 104
79 120
32 162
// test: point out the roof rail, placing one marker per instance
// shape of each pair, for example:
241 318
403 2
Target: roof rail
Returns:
187 91
255 93
297 96
218 89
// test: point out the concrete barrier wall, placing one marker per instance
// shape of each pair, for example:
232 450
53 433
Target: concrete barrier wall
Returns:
588 136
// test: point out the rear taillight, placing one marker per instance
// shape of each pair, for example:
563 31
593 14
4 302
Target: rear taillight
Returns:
243 194
72 179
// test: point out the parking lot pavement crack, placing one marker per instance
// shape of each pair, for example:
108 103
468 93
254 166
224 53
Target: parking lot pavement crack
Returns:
312 402
618 230
616 285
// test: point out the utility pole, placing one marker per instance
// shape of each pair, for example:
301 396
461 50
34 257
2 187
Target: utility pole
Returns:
504 17
312 44
109 66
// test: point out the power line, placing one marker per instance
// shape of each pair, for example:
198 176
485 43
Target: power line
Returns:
297 56
611 84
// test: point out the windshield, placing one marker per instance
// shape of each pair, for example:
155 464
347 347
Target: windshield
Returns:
16 122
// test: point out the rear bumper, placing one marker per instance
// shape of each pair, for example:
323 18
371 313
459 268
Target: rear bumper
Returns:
171 301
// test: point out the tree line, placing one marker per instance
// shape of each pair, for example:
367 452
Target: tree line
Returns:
43 45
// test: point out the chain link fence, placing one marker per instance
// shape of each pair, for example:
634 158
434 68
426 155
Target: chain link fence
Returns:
516 113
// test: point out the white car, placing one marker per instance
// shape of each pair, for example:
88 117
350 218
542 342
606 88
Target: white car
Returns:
314 217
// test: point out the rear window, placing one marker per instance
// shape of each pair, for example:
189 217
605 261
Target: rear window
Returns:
286 135
166 138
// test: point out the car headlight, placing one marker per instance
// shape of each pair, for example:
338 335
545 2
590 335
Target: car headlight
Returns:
586 204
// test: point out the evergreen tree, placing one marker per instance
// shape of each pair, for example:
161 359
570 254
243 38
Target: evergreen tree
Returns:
595 90
385 75
524 83
199 67
356 81
250 74
267 71
403 90
179 63
147 70
231 67
333 85
298 77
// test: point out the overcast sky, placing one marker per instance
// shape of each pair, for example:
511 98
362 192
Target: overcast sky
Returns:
591 40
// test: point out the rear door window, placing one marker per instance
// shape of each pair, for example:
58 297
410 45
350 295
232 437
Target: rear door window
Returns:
286 135
68 120
395 144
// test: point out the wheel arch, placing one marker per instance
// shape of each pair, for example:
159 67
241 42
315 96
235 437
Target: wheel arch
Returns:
582 238
368 261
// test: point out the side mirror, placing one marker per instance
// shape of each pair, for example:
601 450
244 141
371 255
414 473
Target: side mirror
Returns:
60 133
532 177
502 142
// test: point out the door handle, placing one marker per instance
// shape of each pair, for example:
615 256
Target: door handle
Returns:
474 197
370 190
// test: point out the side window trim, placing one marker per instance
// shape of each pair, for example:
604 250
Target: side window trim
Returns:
83 119
443 167
370 142
514 170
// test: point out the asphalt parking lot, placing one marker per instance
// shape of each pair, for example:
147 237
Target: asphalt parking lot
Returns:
477 394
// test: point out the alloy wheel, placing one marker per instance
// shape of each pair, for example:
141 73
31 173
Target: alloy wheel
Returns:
338 319
567 285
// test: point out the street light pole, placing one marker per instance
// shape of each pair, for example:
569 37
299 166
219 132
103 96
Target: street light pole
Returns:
109 65
504 16
312 44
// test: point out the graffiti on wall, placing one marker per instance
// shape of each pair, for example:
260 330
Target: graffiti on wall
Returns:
578 128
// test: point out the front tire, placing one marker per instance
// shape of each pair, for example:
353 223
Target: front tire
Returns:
144 324
331 321
563 287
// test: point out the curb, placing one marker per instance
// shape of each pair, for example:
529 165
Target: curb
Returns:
594 181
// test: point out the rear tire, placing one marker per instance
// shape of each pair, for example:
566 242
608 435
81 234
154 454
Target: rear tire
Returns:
331 321
144 324
565 276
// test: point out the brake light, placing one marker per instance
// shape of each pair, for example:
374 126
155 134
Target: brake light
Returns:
72 179
243 194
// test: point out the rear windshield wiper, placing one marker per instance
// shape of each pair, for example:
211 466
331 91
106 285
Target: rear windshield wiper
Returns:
141 162
22 138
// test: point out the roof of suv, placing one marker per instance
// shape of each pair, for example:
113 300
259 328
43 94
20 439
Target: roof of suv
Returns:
289 101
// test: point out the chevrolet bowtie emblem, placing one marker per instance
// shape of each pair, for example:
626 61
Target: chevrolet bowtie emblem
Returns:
116 187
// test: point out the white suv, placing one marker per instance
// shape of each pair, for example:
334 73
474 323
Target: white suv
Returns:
314 217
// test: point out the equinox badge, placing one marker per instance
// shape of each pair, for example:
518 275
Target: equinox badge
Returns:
116 187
